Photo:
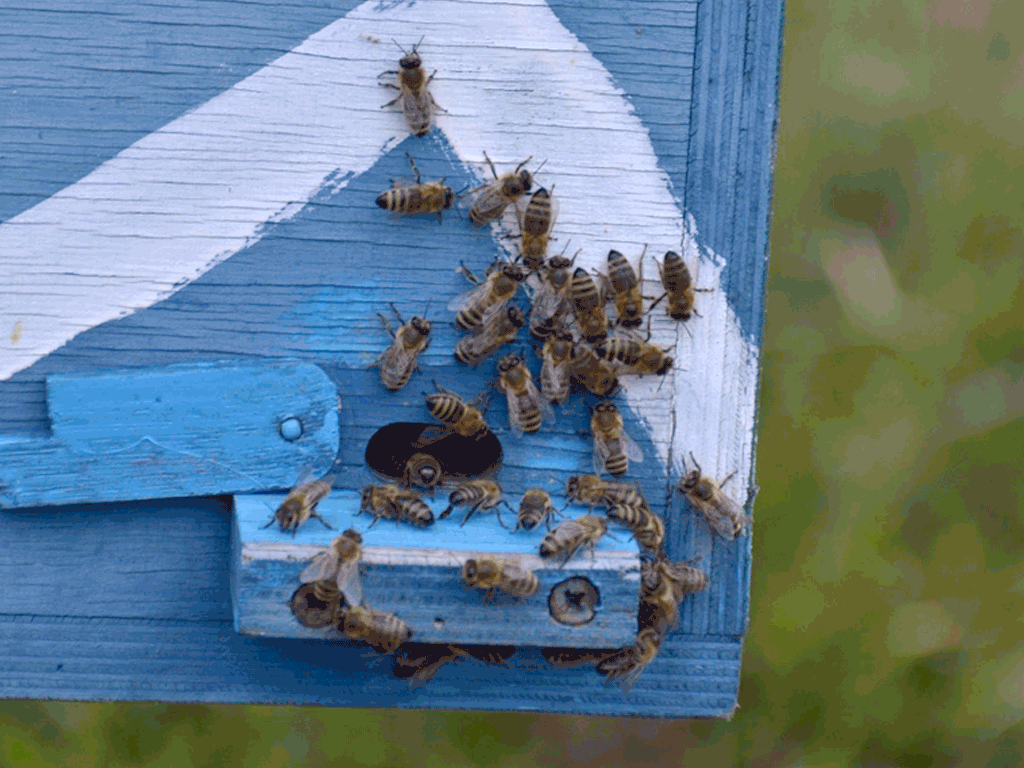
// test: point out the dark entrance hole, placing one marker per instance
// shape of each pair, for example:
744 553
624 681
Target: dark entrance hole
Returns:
392 447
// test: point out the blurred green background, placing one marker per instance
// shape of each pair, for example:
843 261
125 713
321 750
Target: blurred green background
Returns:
888 584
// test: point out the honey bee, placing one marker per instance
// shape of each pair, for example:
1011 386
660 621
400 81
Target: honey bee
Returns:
500 329
629 663
550 300
479 494
316 605
412 199
685 578
382 631
613 448
300 504
659 608
637 356
573 657
535 226
648 529
499 575
556 367
678 287
398 361
490 296
535 508
572 535
338 565
495 196
452 411
394 503
723 514
593 373
424 470
417 103
588 306
527 410
623 285
422 662
592 490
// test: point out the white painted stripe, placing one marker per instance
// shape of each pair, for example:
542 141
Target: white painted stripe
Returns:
514 82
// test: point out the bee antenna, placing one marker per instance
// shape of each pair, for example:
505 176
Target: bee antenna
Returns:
400 47
418 43
539 167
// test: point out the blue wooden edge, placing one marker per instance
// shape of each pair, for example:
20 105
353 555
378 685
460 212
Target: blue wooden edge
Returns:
177 430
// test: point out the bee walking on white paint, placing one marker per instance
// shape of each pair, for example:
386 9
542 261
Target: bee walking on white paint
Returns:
635 356
300 504
494 197
339 565
623 285
399 360
675 277
535 228
593 373
413 199
724 515
613 448
417 102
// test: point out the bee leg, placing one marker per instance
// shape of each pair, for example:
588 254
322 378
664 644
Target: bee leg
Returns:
722 484
387 325
412 164
469 514
491 164
393 101
468 274
319 517
447 512
272 519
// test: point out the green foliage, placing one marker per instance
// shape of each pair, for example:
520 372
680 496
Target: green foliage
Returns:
888 582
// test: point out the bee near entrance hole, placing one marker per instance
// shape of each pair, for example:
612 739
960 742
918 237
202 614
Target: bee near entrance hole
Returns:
428 455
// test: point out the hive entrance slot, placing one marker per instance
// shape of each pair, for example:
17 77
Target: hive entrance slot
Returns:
415 452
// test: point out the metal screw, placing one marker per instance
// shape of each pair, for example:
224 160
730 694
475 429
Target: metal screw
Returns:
573 601
290 429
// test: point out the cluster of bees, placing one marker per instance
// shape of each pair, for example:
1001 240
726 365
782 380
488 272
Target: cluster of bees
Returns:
581 344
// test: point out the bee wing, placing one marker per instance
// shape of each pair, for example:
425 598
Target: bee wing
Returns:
630 448
350 584
489 204
546 303
515 413
601 453
466 298
306 476
547 413
322 567
432 434
725 517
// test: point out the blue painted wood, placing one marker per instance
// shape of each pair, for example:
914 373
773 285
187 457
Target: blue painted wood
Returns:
430 597
139 604
184 430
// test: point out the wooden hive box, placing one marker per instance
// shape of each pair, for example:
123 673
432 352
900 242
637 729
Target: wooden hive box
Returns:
190 256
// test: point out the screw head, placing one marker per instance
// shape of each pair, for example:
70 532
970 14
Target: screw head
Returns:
290 429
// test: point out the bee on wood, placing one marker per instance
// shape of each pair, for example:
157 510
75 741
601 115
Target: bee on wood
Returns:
417 103
338 565
424 470
591 489
588 306
684 578
394 503
613 448
550 301
382 631
499 330
316 605
423 660
300 504
474 307
535 508
593 373
723 514
629 663
412 199
678 287
556 367
527 410
452 411
637 356
622 283
535 226
560 658
495 196
499 575
648 529
572 535
659 608
479 494
398 361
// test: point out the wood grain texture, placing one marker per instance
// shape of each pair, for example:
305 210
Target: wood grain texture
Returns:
414 573
180 430
133 600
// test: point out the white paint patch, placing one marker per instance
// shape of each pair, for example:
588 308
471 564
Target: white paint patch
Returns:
514 82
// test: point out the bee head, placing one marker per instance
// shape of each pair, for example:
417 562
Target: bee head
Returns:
421 325
353 534
449 197
513 272
516 317
665 365
410 61
526 179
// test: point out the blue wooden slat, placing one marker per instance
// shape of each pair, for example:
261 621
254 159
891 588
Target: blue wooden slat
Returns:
186 430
